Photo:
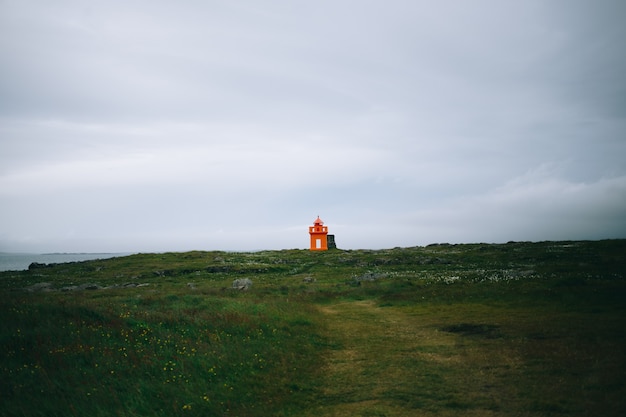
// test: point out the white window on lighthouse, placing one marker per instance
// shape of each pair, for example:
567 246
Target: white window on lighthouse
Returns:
318 243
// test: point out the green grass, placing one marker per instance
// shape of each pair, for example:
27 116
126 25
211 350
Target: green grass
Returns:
150 354
519 329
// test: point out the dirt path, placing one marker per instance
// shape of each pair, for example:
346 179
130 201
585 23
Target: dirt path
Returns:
373 370
398 361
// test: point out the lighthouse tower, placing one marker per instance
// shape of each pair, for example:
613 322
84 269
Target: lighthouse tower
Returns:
318 234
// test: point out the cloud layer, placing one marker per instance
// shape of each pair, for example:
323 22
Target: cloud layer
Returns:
151 125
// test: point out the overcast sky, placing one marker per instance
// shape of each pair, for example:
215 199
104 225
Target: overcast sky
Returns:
231 125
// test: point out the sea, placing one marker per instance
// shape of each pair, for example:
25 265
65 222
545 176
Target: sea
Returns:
21 261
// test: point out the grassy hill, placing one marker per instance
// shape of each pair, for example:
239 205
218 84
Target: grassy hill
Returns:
516 329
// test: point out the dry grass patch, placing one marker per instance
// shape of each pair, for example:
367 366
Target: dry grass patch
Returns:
461 360
384 362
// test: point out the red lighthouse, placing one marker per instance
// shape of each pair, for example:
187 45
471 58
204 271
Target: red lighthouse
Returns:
318 233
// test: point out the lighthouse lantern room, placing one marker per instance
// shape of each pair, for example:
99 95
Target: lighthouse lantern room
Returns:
318 233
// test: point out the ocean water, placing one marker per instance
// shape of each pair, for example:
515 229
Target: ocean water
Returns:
20 261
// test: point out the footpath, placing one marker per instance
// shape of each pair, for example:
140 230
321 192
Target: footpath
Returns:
372 370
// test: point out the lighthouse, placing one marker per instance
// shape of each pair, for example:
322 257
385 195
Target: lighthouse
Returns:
318 233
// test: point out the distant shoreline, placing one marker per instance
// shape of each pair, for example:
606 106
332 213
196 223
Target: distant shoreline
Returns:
16 261
65 253
78 253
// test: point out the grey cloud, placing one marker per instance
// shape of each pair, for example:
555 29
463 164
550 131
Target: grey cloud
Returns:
200 124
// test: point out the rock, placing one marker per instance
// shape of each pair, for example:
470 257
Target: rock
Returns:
41 286
308 279
37 265
46 287
191 285
89 287
242 284
369 276
81 287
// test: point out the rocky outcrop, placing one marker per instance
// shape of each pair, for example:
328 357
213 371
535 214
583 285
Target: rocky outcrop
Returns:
242 284
41 286
369 276
47 287
81 287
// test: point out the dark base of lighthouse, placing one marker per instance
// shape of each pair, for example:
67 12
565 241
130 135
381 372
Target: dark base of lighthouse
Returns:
330 241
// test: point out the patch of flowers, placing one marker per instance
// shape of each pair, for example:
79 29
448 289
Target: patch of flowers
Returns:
199 356
471 275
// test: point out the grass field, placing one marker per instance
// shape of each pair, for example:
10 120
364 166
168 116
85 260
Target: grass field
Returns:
517 329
